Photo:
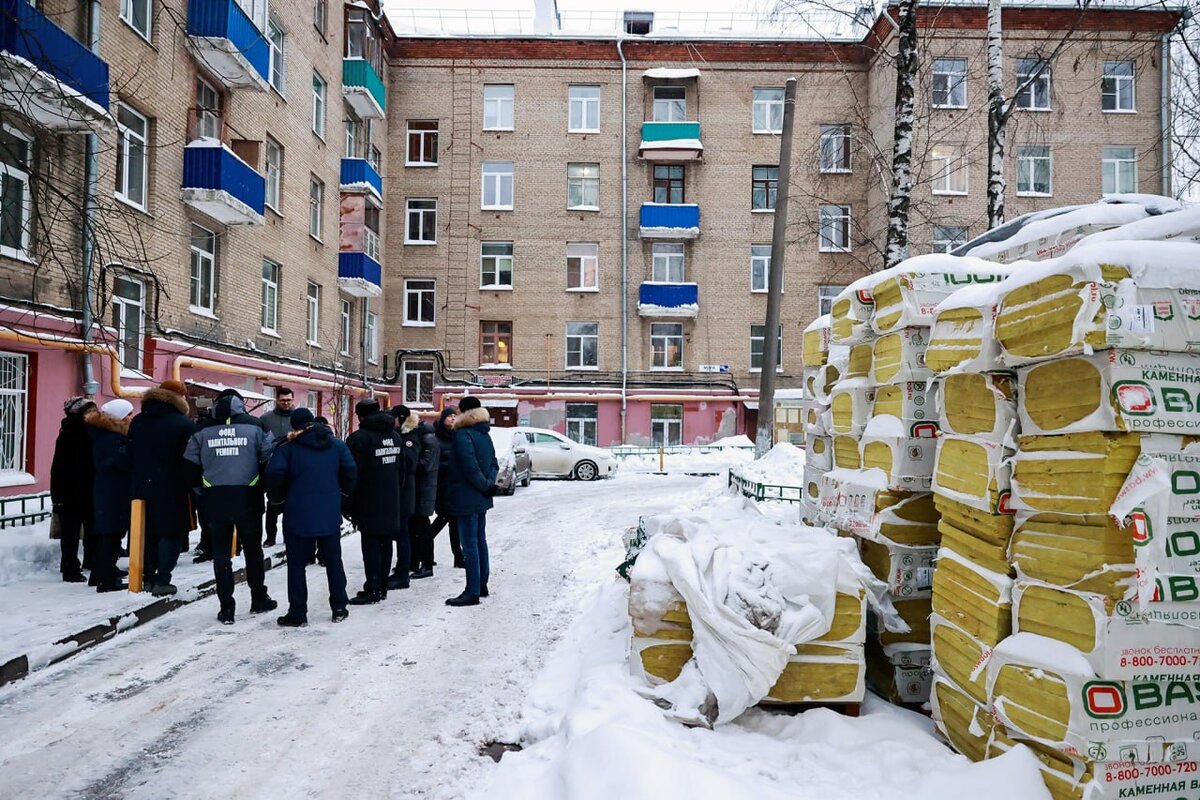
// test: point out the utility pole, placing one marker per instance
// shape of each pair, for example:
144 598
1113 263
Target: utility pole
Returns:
770 360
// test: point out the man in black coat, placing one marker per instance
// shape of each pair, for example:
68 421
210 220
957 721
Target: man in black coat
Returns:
419 525
384 461
405 422
158 436
279 422
71 486
108 429
444 430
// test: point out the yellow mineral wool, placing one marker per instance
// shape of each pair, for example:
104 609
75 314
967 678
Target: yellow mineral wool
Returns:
816 342
958 335
964 722
1039 319
975 599
960 657
1087 552
916 613
1035 701
977 404
851 402
973 472
1062 392
900 356
846 454
1075 473
910 401
822 679
1059 614
908 571
994 529
1065 777
859 365
989 555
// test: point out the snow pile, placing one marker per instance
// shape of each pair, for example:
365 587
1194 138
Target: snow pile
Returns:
27 551
783 465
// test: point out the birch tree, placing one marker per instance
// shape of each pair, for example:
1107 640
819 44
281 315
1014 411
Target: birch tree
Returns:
997 116
907 64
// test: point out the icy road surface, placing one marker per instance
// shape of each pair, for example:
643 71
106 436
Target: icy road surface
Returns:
394 702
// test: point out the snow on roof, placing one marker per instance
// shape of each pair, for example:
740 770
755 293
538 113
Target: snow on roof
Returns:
673 144
671 73
1096 214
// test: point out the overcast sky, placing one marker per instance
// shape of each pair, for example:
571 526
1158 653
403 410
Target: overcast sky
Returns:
581 5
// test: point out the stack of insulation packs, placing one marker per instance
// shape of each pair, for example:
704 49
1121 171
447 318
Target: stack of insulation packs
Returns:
822 369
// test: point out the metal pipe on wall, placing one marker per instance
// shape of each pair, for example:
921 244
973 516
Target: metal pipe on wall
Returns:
624 240
91 171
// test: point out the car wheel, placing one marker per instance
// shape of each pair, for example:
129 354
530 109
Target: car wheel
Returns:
511 490
586 471
526 480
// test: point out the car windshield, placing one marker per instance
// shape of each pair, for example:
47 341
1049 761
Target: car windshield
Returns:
502 439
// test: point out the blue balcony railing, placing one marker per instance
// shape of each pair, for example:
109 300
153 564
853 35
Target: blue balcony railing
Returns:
359 274
358 172
660 221
233 36
668 299
222 185
27 33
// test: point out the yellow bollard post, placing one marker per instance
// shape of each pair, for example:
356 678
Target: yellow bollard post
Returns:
233 547
137 544
661 466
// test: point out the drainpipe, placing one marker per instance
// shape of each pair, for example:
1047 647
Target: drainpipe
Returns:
1164 113
624 243
91 168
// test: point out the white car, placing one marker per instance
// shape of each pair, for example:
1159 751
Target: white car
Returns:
512 456
553 455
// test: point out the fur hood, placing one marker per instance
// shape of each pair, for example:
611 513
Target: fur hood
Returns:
411 423
472 417
166 396
107 422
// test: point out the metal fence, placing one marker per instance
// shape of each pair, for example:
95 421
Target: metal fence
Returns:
757 490
624 451
25 510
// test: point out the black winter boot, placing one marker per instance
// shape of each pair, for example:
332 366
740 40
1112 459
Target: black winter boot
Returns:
262 605
463 599
288 621
225 615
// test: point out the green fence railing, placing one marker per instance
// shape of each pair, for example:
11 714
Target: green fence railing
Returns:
757 490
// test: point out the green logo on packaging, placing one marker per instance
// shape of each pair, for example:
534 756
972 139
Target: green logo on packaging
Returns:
1104 699
1134 397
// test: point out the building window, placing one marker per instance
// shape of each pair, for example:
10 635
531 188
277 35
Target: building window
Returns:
16 199
768 111
496 265
581 422
422 143
583 267
666 425
666 345
495 343
374 155
277 39
835 229
826 294
1033 170
371 241
420 301
14 409
344 333
583 109
764 181
949 169
668 183
136 14
758 345
203 287
583 345
320 15
319 87
1116 86
313 318
420 223
670 104
418 383
133 131
950 83
1033 84
274 196
583 187
760 267
371 337
835 148
128 318
498 107
208 111
316 206
353 128
666 263
948 237
1120 170
497 186
269 321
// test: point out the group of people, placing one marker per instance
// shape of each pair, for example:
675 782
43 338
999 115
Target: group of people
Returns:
229 470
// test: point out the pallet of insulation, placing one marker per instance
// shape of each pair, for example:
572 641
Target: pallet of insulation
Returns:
962 335
960 657
978 405
815 342
974 472
899 672
907 295
899 357
965 723
851 403
983 537
903 451
971 597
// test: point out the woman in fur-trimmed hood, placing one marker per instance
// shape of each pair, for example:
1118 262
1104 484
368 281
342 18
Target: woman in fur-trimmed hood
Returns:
108 428
472 475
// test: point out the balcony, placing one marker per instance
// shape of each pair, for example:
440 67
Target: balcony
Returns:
218 183
47 75
668 299
663 221
359 275
671 141
359 175
363 89
228 44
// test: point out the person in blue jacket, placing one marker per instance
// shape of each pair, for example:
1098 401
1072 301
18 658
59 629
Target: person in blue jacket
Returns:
313 475
112 488
470 486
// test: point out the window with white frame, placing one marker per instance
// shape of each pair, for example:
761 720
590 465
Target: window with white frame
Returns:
269 319
1120 170
835 148
760 267
767 111
496 265
133 132
136 14
1033 84
1116 86
371 240
420 301
14 411
274 176
312 320
582 419
1033 170
670 104
667 262
129 319
583 109
422 143
256 10
497 186
316 206
208 110
418 383
371 337
320 15
948 237
583 345
203 285
16 198
949 169
950 83
835 229
275 72
319 89
666 345
583 267
666 425
420 221
344 331
583 187
498 107
826 294
353 131
758 345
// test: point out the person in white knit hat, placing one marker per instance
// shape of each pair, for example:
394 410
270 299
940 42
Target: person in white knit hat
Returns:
112 489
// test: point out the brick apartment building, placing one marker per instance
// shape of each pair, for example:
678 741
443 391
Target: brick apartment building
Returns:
577 226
